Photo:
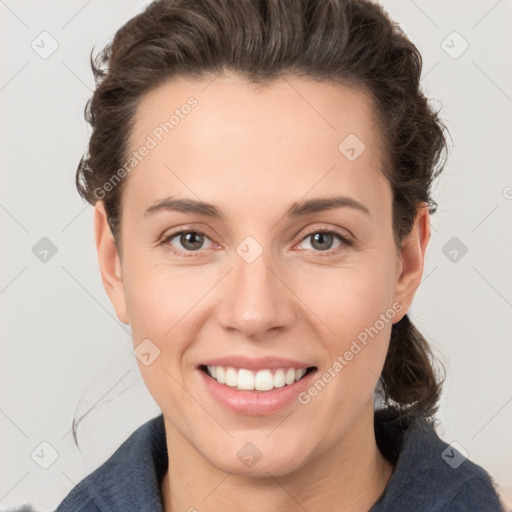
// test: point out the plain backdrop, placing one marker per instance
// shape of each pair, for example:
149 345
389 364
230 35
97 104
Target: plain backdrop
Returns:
63 350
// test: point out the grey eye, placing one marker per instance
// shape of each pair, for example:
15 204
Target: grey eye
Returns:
190 241
322 240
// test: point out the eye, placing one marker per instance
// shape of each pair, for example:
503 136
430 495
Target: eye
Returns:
191 241
322 241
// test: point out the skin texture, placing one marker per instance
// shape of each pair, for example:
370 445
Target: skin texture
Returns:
252 152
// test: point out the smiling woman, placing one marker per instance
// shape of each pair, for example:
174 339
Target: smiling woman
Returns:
261 174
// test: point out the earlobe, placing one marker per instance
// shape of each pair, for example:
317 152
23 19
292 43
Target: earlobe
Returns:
109 262
412 258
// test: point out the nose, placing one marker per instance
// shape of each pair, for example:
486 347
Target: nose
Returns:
256 301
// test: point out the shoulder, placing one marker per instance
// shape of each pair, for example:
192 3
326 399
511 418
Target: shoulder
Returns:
430 475
129 479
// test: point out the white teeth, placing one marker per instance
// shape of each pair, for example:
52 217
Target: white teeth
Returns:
231 377
220 374
245 379
300 373
262 380
290 376
279 381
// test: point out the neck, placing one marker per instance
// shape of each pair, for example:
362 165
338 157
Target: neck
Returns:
350 477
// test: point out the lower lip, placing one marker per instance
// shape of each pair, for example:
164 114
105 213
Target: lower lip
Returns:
256 403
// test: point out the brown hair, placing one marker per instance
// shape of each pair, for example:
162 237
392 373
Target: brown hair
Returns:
350 42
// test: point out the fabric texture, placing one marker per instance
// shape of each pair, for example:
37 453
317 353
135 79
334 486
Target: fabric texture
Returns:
425 478
429 474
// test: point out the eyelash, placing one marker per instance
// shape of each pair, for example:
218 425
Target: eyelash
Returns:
346 241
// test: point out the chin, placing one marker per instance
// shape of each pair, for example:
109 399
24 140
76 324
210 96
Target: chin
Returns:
250 462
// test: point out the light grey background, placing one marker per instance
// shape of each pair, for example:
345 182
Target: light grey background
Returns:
63 350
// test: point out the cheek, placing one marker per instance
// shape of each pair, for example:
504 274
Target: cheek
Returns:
349 298
160 303
355 310
158 295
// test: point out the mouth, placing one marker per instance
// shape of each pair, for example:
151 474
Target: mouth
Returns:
255 386
262 380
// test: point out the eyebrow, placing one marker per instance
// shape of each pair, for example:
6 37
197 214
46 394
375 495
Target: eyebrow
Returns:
298 209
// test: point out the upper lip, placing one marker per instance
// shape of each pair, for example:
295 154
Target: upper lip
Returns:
256 363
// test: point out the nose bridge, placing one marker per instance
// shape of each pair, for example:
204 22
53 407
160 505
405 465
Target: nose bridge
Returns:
256 300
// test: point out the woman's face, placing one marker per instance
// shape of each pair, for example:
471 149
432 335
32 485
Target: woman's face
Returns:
257 286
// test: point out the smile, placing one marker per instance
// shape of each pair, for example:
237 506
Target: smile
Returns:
261 380
261 391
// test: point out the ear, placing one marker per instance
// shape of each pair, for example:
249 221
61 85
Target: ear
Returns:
109 261
412 259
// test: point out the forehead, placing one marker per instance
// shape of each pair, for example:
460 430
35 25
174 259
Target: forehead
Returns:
224 135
